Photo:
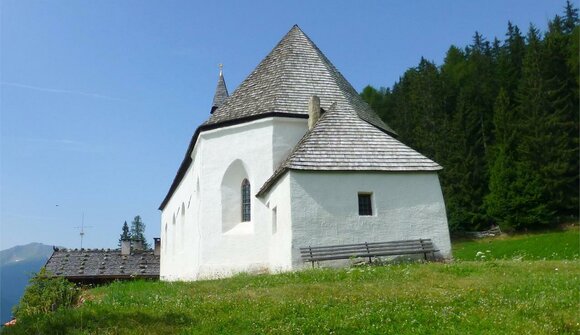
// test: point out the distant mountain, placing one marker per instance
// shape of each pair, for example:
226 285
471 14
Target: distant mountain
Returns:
17 264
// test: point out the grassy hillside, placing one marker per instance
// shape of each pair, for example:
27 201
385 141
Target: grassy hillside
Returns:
511 296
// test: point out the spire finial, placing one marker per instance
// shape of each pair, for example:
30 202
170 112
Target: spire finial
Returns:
221 68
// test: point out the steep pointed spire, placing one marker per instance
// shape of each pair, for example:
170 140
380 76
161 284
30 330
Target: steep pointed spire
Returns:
221 92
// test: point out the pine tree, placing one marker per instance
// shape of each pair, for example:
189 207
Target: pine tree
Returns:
570 17
561 90
138 231
509 70
536 145
500 202
373 97
423 108
125 235
466 175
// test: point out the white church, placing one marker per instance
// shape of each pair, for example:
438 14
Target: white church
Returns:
293 158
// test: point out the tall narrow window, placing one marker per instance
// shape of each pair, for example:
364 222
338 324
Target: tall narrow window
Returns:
164 244
173 235
274 220
246 214
365 206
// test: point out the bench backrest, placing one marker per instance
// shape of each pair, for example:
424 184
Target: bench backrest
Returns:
367 249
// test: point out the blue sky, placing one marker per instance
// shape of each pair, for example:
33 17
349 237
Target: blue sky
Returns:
99 99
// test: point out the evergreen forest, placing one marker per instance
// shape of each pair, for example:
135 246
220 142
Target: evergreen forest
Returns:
501 117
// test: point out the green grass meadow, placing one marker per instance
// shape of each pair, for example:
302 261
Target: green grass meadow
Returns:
519 289
554 245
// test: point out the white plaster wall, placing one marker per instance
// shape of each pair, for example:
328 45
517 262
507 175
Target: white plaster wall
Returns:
280 246
202 248
180 247
285 135
405 206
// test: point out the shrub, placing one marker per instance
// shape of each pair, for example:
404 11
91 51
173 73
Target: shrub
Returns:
44 294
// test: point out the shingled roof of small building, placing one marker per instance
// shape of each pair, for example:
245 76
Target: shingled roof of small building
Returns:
102 264
341 141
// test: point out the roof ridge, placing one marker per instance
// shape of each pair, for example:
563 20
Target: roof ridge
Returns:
349 92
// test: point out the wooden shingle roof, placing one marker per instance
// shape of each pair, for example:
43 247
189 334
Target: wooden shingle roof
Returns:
342 141
285 80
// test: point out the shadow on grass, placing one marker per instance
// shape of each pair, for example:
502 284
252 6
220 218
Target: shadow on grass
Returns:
102 321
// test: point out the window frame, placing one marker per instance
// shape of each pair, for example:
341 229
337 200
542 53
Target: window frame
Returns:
246 201
365 208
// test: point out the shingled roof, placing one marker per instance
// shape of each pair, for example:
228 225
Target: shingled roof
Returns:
283 82
341 141
92 265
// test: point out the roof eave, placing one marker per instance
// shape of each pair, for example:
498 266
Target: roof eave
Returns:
277 175
271 182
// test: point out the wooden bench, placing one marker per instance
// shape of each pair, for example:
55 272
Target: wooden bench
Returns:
368 250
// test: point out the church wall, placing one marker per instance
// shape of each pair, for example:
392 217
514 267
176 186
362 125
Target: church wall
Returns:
212 241
405 206
180 252
278 202
245 150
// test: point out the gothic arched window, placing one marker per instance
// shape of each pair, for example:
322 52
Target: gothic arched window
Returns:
246 213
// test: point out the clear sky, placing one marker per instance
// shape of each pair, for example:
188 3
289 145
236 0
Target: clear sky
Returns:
99 99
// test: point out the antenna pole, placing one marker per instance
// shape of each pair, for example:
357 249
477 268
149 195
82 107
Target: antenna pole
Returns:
82 228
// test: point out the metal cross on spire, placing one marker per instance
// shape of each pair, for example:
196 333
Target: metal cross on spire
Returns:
221 68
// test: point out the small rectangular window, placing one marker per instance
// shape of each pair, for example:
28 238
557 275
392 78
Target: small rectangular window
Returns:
365 204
